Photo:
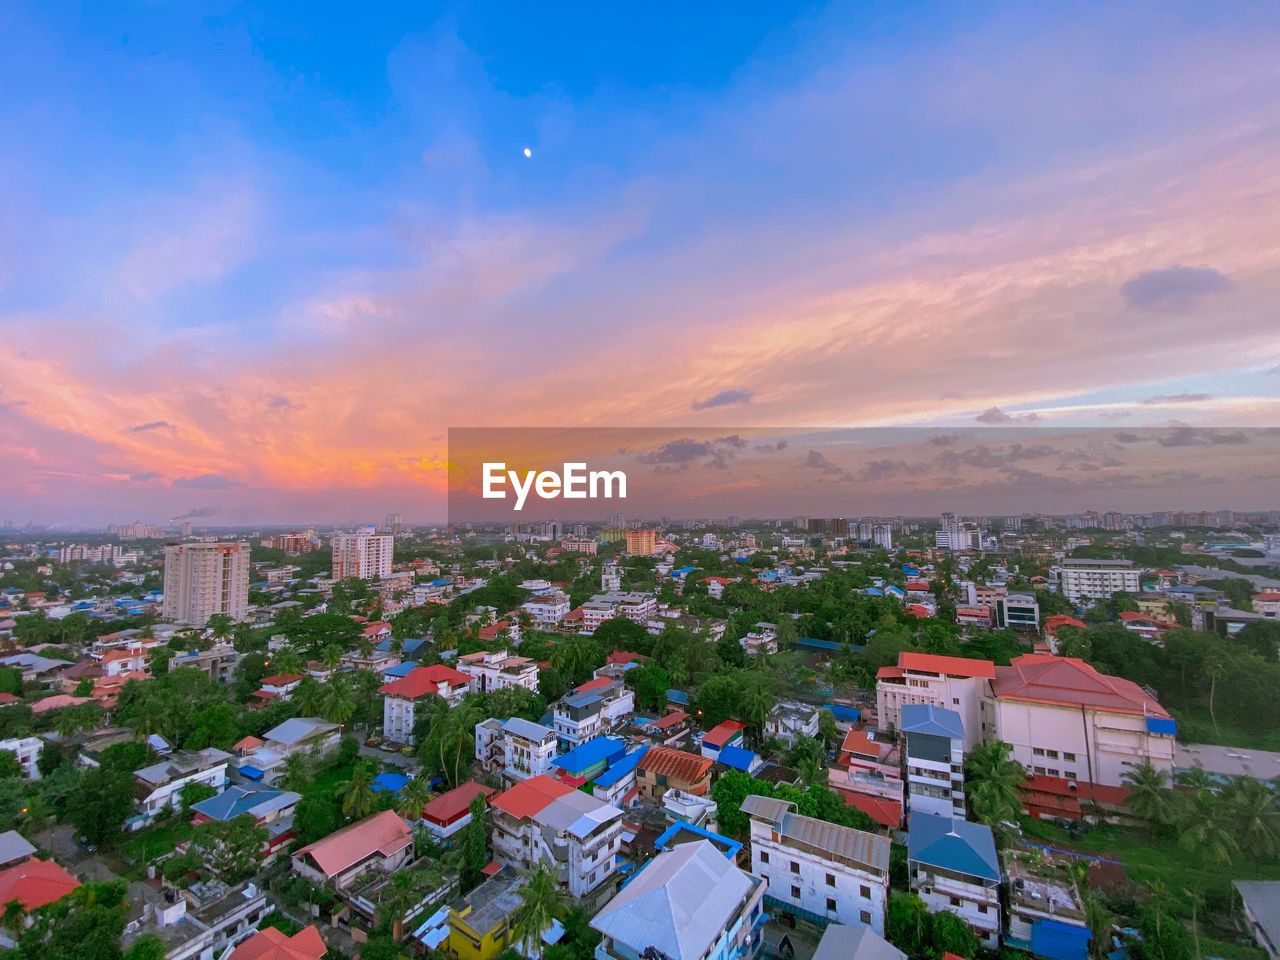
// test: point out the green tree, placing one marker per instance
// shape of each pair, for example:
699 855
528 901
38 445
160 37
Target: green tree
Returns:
357 794
541 904
1150 798
651 684
1252 808
992 781
415 795
149 946
1204 827
475 843
86 924
232 849
948 933
100 803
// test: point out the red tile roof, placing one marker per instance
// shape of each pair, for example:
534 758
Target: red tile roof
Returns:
271 944
7 698
281 679
1083 789
383 833
450 806
491 869
675 764
672 719
1059 620
889 673
35 883
883 810
423 680
954 666
1267 596
599 683
1042 678
529 797
625 656
916 610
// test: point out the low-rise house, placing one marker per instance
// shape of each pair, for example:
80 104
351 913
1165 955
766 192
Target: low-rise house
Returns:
662 769
281 684
687 903
271 944
400 697
790 719
448 813
309 736
588 760
217 663
698 811
159 785
516 748
498 671
668 729
618 784
204 920
479 925
726 734
1046 915
818 870
272 809
27 752
31 882
586 714
841 942
1261 901
382 842
543 820
547 610
935 760
953 867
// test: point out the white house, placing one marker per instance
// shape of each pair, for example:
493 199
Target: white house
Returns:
935 760
401 696
160 784
517 748
953 867
790 719
498 670
817 869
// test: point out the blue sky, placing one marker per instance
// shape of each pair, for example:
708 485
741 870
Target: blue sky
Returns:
211 215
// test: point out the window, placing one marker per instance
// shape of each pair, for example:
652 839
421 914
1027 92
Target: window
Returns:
1052 754
956 701
1068 756
1038 751
795 892
864 892
764 856
1069 774
831 879
955 901
864 916
982 908
795 867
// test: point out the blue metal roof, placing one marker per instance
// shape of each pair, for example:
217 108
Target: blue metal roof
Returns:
1162 725
621 768
251 773
389 781
812 643
934 721
726 845
738 758
586 755
677 696
873 592
842 712
953 844
582 699
403 670
1059 941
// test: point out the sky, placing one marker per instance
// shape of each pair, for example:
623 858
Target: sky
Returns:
257 263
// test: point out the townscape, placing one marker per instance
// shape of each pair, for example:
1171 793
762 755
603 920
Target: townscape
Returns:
953 737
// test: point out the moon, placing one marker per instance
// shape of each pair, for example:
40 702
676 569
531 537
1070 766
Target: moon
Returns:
528 152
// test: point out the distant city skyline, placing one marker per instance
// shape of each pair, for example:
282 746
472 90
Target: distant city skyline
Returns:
261 270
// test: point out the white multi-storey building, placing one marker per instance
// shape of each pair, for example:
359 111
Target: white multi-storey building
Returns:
516 748
953 683
935 760
362 556
1088 581
819 869
27 751
206 578
547 609
577 837
591 710
953 868
160 784
790 719
498 670
636 607
400 697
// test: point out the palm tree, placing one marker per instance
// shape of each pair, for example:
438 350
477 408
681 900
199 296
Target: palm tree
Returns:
992 780
415 795
407 890
756 702
330 656
308 697
287 660
358 797
1203 828
541 904
338 704
297 772
1099 920
1253 807
1150 798
1197 778
1214 667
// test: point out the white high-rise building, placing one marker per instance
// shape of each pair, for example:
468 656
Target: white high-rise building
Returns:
362 556
201 579
1088 581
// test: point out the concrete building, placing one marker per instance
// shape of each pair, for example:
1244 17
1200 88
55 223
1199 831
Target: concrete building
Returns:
790 719
952 683
1064 719
688 903
309 736
516 748
159 785
206 578
498 671
381 842
935 760
641 542
818 870
662 769
591 710
27 752
576 836
400 697
362 556
548 609
1086 582
1017 611
953 867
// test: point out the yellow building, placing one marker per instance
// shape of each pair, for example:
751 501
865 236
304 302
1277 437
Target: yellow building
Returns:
479 925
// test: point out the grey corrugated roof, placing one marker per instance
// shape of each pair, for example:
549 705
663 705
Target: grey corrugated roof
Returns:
869 849
14 846
766 808
679 902
297 728
1262 898
527 729
840 942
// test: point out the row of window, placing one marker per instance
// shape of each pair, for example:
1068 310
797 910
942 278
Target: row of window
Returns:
1053 754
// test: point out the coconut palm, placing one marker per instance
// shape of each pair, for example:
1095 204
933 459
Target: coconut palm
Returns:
754 706
1253 810
415 795
1150 798
992 780
1099 920
1203 828
286 660
541 904
297 772
357 794
1197 778
338 703
1214 666
308 696
330 656
406 891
